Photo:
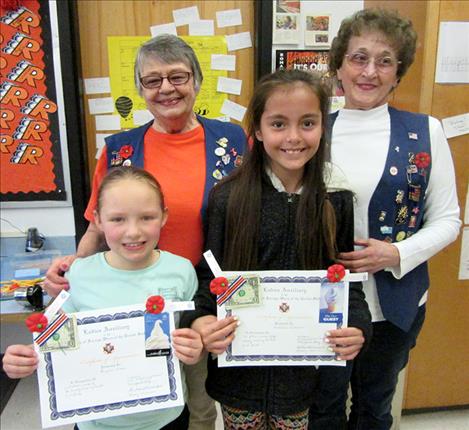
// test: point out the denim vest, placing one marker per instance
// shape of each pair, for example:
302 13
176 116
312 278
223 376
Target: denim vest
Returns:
225 144
396 211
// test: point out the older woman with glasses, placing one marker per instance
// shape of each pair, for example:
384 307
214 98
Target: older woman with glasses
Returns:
399 166
187 153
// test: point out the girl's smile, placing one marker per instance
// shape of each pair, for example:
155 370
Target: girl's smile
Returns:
131 219
290 130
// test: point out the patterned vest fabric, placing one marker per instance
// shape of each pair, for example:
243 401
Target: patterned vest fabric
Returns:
396 211
218 135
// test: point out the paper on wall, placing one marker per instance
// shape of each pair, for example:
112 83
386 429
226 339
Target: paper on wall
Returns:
452 64
456 125
228 18
466 211
464 261
238 41
286 29
185 15
100 139
233 110
107 122
228 85
97 85
101 105
169 28
204 27
100 142
223 62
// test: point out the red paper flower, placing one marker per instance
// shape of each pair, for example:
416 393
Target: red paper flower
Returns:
126 151
218 285
155 304
36 322
335 273
422 160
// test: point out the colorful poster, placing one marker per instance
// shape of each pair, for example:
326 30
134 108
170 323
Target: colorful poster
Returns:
288 6
122 51
316 61
30 156
317 31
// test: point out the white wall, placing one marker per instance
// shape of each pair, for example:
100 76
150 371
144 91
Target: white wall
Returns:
56 221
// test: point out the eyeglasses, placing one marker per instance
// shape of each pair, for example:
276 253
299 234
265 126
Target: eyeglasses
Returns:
177 78
360 60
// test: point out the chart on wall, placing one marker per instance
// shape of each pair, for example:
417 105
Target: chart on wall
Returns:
30 147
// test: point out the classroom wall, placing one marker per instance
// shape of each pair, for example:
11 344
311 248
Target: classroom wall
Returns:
438 364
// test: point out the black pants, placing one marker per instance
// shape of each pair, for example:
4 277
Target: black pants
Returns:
180 423
375 374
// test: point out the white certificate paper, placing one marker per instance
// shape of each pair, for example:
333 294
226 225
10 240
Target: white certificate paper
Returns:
289 326
109 374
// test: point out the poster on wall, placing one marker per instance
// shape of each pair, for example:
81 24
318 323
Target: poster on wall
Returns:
313 61
30 144
288 6
286 29
301 59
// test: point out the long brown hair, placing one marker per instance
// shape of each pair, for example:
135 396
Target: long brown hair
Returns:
315 219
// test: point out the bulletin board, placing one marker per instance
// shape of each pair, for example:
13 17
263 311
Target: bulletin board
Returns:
300 32
33 139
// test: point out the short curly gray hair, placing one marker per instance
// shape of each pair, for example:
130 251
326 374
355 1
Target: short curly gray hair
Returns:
398 31
169 49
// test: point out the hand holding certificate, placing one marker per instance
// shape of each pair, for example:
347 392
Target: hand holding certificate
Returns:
284 318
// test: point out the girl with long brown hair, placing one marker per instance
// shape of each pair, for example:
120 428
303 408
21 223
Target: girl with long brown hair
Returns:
275 213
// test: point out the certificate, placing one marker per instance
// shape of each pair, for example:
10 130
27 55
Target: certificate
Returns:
285 322
105 370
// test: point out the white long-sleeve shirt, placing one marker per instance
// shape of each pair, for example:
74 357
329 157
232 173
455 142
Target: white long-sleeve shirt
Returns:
360 142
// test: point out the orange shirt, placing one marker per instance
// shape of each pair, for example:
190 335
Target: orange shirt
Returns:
178 163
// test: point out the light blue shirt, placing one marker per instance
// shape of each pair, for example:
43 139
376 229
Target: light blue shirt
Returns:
94 284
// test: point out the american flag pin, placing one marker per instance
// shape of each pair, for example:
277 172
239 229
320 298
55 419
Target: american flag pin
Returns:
413 136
